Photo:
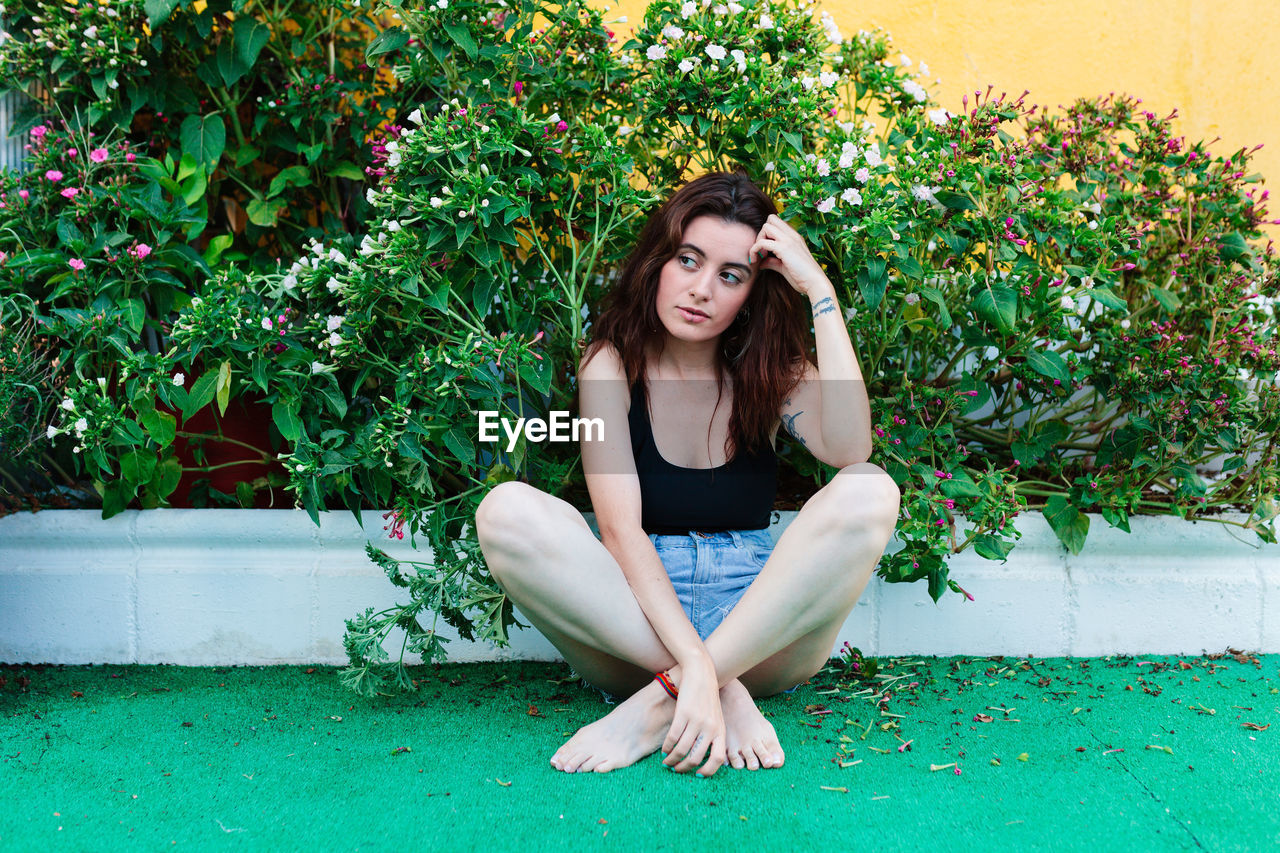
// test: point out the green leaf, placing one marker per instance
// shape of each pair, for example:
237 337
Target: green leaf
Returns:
204 138
997 305
386 42
537 375
224 387
1109 298
1168 300
1049 363
960 485
1234 247
873 281
229 65
1071 525
135 313
298 176
347 169
459 444
251 35
935 296
795 140
992 547
954 200
287 420
201 394
166 478
161 426
459 33
137 466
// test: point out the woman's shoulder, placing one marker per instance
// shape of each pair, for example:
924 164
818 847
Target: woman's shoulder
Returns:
601 360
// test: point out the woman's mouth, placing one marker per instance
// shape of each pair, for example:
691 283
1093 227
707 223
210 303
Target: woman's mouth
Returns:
692 315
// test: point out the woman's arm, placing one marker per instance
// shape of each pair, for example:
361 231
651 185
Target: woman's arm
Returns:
828 411
615 497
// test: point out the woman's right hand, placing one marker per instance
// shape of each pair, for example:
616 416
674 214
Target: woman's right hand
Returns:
698 728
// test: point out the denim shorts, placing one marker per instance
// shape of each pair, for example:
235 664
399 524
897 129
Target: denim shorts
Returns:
710 572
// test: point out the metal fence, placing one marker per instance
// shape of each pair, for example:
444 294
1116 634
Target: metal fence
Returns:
13 152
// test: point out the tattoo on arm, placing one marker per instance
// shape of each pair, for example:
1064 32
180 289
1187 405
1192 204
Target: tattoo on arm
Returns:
789 421
824 305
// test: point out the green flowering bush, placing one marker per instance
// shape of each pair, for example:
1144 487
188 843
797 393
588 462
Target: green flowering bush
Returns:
1059 312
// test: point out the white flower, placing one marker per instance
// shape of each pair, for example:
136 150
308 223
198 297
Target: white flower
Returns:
922 193
914 89
766 23
686 65
1087 281
873 155
828 78
851 196
625 129
335 255
824 168
715 51
393 226
688 9
1124 324
924 69
735 8
807 82
266 323
720 9
81 426
827 204
436 201
91 32
939 116
416 117
740 58
68 405
768 167
333 322
318 367
673 32
179 379
656 51
442 4
332 285
52 432
1093 225
863 175
911 298
1067 303
335 339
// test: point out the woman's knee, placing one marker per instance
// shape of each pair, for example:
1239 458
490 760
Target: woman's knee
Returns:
515 516
860 496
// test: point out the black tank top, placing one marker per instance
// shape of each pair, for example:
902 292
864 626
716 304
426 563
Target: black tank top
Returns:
738 495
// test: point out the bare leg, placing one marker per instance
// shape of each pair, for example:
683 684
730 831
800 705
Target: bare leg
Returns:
568 585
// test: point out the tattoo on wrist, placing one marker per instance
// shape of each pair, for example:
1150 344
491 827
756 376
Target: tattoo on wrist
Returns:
824 305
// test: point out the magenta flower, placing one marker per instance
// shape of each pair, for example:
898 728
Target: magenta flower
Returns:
53 175
71 152
69 192
140 251
76 264
130 157
24 194
562 126
98 155
519 87
39 131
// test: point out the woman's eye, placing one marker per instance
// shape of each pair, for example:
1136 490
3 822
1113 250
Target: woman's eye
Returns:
734 278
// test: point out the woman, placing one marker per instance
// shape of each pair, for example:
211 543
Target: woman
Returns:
684 604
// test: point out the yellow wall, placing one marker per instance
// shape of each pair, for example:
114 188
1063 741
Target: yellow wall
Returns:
1213 61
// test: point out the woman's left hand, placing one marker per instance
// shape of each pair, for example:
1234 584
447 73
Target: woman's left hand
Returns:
780 247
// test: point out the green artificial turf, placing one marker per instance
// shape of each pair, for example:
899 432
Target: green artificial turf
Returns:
1158 753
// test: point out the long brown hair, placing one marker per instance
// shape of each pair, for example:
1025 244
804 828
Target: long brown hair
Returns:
763 353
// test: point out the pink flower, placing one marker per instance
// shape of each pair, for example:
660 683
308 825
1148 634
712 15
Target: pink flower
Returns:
98 155
39 131
53 175
24 194
71 152
562 126
69 192
141 251
130 157
519 87
76 264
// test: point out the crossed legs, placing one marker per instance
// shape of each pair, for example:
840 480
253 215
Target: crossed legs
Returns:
781 632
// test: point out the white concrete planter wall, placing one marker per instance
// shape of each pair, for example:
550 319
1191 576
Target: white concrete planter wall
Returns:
221 587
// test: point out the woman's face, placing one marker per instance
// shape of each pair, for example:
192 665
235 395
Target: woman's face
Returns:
703 287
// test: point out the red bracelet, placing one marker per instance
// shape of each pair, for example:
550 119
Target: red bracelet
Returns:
665 680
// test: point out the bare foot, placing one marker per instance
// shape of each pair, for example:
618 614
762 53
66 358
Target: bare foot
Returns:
631 731
751 741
